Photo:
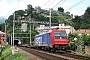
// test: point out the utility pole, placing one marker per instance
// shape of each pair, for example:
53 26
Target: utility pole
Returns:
5 34
30 34
11 40
30 30
13 32
50 18
13 28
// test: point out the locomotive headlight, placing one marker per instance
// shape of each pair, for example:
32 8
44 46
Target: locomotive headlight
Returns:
19 42
56 42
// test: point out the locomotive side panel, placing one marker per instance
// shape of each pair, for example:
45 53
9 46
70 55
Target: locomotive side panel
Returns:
37 40
43 40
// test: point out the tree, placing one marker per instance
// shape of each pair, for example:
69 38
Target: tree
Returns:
10 17
68 12
87 13
20 12
2 27
71 40
77 22
60 9
29 10
34 32
82 22
87 16
86 39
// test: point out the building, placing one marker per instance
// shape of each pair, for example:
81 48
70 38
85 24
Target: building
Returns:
82 31
45 27
66 27
24 27
2 38
61 26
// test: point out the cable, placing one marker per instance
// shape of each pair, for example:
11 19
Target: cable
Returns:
57 3
46 3
17 4
51 3
80 11
61 3
75 5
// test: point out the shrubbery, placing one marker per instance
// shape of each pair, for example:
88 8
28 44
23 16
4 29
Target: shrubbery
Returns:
79 44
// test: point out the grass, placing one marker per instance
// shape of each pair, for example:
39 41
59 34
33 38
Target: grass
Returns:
87 55
6 52
17 56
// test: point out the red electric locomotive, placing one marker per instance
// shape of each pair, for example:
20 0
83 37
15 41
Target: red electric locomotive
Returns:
52 40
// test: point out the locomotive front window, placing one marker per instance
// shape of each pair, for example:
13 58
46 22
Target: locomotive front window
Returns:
60 35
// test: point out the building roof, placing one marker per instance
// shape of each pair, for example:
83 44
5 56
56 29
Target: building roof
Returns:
2 32
82 31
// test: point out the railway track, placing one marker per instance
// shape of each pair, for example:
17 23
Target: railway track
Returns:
75 56
41 54
55 56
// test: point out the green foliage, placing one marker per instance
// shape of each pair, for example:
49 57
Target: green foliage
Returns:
2 27
86 39
77 22
40 17
20 13
80 47
34 32
71 37
87 13
6 52
29 10
17 56
87 55
61 19
18 25
79 44
55 19
60 9
82 22
10 18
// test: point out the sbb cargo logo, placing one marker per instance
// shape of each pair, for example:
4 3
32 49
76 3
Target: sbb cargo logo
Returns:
38 40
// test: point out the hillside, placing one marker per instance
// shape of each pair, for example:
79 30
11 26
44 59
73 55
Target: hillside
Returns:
55 17
64 18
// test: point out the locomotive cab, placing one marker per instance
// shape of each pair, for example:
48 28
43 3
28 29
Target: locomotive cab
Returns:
60 40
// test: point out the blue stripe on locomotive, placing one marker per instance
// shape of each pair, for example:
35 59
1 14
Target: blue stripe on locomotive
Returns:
43 39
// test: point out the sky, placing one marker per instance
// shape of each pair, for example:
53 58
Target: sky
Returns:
7 7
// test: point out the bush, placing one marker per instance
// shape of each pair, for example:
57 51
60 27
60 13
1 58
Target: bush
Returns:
80 43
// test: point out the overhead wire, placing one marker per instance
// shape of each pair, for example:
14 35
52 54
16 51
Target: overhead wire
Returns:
80 11
50 3
75 5
17 4
60 4
57 3
46 3
63 1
